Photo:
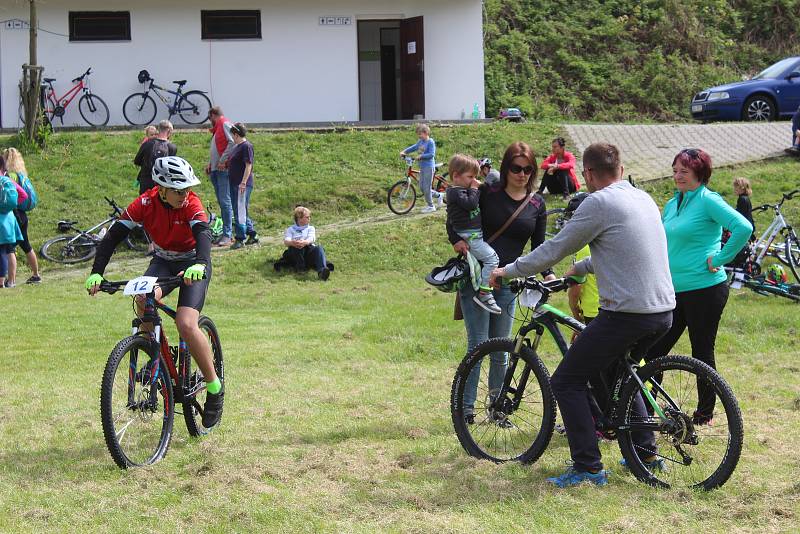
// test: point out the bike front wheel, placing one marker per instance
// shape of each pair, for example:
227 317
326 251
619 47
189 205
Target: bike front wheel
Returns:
69 249
194 388
791 255
402 197
194 107
689 450
93 110
501 403
136 404
139 109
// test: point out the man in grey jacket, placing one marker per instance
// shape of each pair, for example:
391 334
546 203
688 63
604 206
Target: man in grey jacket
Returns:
622 226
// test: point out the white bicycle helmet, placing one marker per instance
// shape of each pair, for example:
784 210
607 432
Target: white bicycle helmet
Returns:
174 172
484 162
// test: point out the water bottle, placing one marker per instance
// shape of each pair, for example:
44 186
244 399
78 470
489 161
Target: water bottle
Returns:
476 112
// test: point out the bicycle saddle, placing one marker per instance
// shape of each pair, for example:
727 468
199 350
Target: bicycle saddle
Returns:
48 80
179 82
438 165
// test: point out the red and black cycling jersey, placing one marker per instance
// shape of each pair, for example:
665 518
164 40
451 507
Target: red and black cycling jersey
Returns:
179 234
169 228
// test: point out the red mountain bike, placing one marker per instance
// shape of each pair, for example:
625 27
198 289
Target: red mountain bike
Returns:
91 107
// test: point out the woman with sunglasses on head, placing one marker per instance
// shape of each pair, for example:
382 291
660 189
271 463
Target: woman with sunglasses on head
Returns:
510 205
693 221
177 223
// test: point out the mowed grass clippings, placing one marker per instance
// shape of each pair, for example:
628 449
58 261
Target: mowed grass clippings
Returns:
337 407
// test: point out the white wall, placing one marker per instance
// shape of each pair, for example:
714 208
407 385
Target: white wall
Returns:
299 71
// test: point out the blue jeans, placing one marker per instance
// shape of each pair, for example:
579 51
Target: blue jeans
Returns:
243 225
482 325
425 182
222 188
482 251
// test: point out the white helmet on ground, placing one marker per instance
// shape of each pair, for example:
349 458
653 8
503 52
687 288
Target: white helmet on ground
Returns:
174 172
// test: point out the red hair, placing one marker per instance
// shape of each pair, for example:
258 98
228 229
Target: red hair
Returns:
696 159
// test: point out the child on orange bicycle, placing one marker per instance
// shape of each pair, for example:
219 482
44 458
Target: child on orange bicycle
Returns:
426 147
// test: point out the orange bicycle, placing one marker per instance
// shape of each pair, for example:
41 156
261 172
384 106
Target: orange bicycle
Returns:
403 195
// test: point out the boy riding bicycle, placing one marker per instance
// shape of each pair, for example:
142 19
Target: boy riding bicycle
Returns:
177 223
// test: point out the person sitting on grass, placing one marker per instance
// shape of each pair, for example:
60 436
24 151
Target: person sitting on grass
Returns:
559 171
303 251
795 148
464 218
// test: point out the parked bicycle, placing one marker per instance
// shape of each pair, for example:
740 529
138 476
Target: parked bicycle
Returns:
139 109
779 241
403 194
82 246
91 107
514 419
145 377
763 284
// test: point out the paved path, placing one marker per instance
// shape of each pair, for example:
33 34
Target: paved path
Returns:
648 150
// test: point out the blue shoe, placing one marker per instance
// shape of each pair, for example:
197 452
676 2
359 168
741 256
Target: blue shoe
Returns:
573 477
656 465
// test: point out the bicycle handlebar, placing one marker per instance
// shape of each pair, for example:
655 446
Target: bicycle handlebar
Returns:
552 286
117 209
107 286
789 196
763 207
82 76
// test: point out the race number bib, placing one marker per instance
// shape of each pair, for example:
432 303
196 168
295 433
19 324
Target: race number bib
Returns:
140 286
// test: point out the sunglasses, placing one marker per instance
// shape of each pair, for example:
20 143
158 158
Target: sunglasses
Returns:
516 169
180 192
691 152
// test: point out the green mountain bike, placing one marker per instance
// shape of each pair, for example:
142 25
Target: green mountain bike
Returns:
514 414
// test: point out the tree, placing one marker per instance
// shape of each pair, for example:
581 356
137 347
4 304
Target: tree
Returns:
30 87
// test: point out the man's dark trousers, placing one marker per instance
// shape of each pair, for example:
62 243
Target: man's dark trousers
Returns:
609 336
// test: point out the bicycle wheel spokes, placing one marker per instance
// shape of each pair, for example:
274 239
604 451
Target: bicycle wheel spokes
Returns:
500 423
136 405
69 249
402 197
692 451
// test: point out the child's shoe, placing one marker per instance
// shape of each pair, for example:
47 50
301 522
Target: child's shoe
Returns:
485 300
428 209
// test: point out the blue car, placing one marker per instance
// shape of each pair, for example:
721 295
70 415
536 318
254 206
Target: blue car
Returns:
772 94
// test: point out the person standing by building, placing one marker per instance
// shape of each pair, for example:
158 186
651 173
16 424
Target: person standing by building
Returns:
217 169
240 174
152 149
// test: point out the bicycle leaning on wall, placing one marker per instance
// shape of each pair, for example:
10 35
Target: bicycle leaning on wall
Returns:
139 109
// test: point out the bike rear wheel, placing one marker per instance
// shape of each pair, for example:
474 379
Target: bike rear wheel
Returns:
136 404
139 109
194 394
194 107
93 110
402 197
505 430
696 453
69 249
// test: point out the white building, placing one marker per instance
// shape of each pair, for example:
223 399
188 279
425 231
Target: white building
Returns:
263 61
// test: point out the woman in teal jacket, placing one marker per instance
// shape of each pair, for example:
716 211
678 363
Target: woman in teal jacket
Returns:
693 221
9 228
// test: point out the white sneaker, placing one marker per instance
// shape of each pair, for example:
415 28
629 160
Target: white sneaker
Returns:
428 209
441 199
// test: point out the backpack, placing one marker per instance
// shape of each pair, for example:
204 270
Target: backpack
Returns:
8 195
160 150
26 184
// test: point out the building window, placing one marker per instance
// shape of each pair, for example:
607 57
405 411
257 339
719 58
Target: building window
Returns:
231 24
99 26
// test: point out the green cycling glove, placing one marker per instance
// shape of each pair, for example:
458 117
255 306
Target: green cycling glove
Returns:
93 280
195 272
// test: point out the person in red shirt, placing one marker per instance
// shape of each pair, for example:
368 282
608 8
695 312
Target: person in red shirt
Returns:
559 171
177 223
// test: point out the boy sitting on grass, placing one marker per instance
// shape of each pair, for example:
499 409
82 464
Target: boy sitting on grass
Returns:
464 218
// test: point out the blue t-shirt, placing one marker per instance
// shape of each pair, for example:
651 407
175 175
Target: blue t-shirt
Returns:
241 155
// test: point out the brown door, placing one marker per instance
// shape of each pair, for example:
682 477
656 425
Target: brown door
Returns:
412 68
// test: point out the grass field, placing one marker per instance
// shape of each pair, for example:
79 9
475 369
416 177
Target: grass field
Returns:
337 407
